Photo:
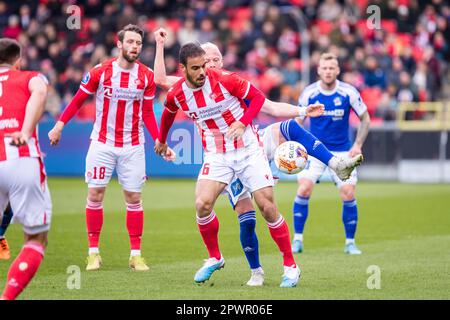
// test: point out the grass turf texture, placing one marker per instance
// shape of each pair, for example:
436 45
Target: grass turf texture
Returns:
403 229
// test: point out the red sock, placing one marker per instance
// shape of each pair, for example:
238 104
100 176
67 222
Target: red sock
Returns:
209 229
280 234
135 224
94 222
23 269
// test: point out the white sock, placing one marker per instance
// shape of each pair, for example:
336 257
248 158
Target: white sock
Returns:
348 241
259 269
298 236
93 250
134 253
333 163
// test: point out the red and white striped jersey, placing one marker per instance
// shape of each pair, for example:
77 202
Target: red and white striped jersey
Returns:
214 107
14 95
119 96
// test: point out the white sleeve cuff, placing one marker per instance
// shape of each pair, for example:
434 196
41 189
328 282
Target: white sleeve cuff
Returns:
302 112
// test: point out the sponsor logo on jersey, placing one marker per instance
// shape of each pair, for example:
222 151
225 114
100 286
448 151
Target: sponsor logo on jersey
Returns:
108 92
210 112
10 123
236 187
337 101
127 94
86 78
338 113
4 78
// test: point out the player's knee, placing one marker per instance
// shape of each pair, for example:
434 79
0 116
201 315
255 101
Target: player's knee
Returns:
96 194
132 197
304 190
244 206
347 194
203 206
40 238
268 208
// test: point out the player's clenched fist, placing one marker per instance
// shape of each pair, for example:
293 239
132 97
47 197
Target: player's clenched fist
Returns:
55 134
160 36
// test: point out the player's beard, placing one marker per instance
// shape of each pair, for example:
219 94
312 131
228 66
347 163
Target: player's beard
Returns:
195 83
128 58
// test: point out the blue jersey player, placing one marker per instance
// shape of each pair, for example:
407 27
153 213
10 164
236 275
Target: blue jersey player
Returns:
332 128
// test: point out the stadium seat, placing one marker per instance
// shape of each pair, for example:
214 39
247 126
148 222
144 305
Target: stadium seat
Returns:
389 26
174 24
238 17
324 26
362 25
371 97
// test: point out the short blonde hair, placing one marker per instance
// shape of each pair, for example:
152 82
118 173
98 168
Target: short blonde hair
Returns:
328 56
212 46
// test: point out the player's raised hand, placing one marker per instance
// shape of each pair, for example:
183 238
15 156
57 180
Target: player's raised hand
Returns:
160 148
315 110
18 138
236 130
160 36
55 134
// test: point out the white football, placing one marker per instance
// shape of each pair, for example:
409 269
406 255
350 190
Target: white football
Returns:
290 157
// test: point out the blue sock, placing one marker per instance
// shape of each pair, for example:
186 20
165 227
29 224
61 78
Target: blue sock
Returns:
249 240
292 131
6 220
300 211
350 218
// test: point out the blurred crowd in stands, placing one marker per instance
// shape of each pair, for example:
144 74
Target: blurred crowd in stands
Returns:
406 59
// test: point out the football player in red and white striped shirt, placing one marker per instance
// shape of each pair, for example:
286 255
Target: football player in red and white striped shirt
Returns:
22 176
124 89
214 99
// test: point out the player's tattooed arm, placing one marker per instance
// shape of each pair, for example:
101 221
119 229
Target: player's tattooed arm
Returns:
159 68
361 134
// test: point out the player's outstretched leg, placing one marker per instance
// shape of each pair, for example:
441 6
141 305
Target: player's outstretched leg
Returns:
5 253
209 230
94 223
343 167
249 242
25 266
135 227
279 232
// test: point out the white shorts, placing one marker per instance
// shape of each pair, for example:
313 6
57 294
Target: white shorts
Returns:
248 164
129 162
21 186
269 142
315 168
236 190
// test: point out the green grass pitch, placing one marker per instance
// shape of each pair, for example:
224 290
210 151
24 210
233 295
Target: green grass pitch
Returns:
403 229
